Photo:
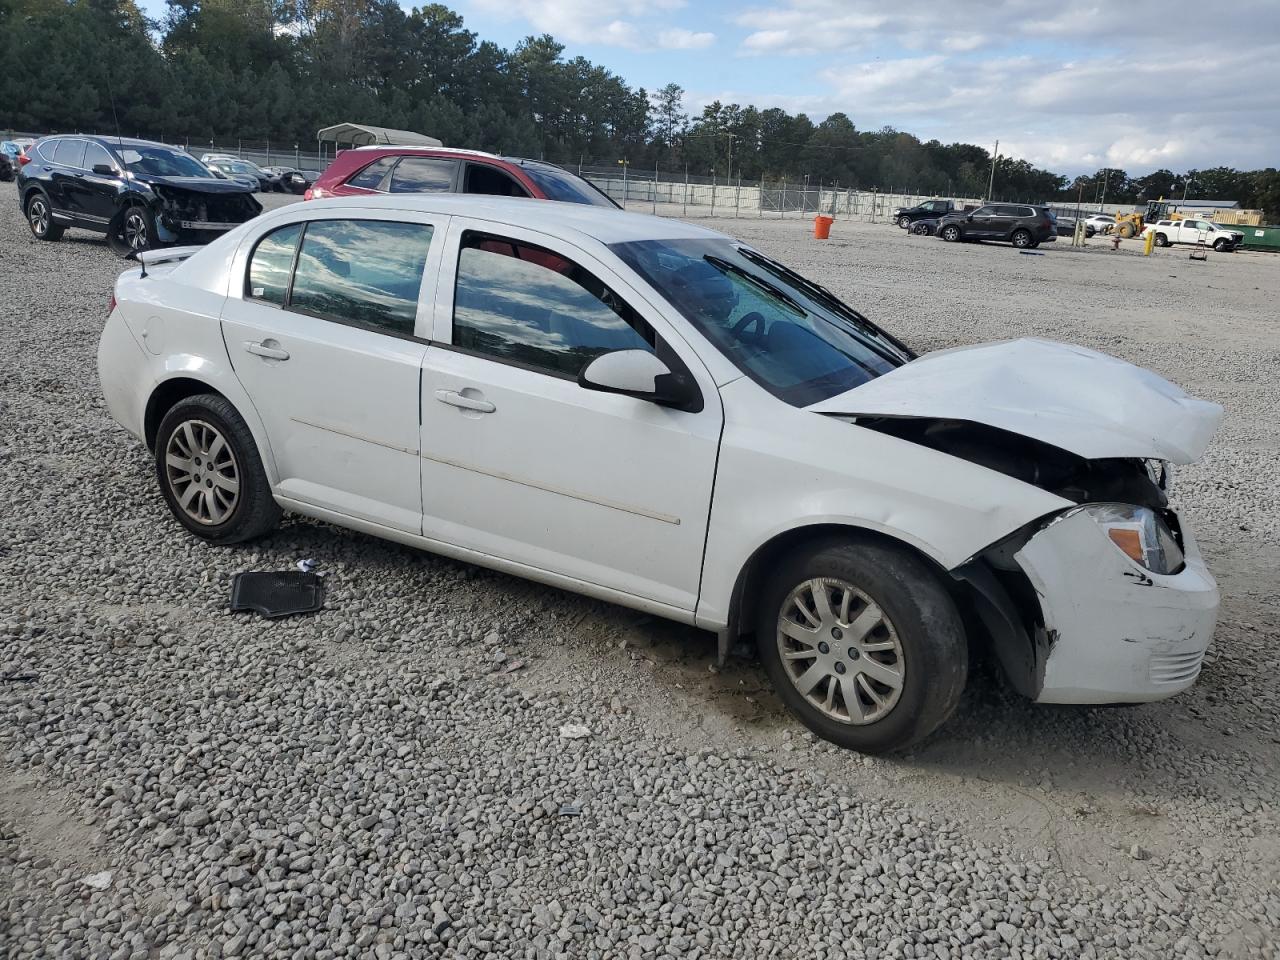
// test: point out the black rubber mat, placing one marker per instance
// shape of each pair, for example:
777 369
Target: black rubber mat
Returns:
277 594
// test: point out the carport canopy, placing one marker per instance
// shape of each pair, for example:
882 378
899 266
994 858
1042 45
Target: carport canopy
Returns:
363 135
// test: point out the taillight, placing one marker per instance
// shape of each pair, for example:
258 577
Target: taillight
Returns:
111 305
306 194
23 159
315 193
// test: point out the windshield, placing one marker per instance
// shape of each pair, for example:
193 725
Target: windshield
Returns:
786 333
162 162
234 167
558 184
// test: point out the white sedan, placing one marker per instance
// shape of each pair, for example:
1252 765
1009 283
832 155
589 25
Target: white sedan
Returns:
656 414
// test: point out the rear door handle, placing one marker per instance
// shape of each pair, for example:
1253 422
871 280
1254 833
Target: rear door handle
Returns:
267 348
455 399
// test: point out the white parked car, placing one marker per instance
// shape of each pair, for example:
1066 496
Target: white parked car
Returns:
1190 230
655 414
1101 222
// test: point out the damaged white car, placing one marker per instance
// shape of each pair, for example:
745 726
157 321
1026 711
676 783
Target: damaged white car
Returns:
655 414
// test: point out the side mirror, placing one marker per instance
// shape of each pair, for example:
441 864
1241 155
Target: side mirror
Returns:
640 374
969 218
104 169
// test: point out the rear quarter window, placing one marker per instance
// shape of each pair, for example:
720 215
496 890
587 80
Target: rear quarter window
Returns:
371 176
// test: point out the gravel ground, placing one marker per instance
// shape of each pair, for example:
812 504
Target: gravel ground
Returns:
390 777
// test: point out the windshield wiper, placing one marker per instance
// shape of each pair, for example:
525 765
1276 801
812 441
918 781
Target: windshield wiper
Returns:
759 282
827 298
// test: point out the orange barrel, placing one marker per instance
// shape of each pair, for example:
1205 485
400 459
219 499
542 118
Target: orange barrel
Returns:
822 226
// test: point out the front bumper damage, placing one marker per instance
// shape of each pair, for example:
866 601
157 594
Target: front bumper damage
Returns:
191 216
1107 629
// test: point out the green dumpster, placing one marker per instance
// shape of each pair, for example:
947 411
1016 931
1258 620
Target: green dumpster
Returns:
1258 238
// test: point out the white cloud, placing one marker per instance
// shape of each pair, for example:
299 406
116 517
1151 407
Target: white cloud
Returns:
1071 89
677 38
608 22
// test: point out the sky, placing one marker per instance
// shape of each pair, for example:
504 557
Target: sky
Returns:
1070 85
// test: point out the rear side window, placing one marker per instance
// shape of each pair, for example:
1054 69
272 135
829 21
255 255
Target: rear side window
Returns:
69 153
424 175
363 272
271 264
371 176
523 304
561 185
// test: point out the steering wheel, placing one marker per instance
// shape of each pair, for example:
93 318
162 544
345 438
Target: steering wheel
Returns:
753 319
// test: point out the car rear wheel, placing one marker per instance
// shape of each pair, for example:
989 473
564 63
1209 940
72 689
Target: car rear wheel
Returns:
950 233
1021 238
904 222
210 472
40 218
1162 240
863 644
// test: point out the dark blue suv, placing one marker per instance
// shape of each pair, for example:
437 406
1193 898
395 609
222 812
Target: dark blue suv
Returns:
140 194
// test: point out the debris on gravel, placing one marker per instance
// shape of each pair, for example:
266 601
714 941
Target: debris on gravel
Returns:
177 782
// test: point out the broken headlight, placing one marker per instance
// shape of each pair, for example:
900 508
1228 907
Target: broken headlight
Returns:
1140 534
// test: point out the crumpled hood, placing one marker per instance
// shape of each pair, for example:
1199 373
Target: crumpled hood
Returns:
1086 402
195 184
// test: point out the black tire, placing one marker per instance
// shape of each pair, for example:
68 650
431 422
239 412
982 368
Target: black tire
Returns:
950 233
1021 238
39 213
1221 245
904 222
1033 244
132 230
932 649
253 512
1162 240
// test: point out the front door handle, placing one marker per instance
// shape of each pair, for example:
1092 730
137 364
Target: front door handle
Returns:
267 348
455 399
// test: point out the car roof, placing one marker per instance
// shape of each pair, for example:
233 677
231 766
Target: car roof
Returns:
604 224
116 142
420 150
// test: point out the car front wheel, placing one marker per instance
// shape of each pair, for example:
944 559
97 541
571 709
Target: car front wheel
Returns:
904 222
863 644
950 234
210 472
1221 245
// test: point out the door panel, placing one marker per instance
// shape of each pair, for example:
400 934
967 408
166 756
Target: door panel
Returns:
339 401
531 467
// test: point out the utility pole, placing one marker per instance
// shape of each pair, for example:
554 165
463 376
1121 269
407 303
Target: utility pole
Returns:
995 154
1106 175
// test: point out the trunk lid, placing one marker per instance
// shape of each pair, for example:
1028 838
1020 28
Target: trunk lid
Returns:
1088 403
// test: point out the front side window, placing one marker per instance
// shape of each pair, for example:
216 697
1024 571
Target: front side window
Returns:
271 265
523 304
482 178
96 155
787 333
984 212
424 175
363 272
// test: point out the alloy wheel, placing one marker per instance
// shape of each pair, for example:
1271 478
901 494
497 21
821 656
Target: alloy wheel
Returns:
135 230
840 651
202 472
38 216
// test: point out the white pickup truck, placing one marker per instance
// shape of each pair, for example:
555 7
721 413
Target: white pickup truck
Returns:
1169 232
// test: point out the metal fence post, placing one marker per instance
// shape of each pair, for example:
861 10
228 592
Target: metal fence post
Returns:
686 189
655 188
782 204
713 191
737 196
760 198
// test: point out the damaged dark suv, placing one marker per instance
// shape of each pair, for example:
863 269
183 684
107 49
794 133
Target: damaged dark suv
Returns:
142 195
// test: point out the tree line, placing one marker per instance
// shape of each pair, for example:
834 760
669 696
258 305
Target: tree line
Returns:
279 70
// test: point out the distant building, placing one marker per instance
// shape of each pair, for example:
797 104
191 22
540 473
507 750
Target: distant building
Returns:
1205 204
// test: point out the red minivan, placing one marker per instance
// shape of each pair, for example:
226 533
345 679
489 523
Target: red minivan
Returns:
391 169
